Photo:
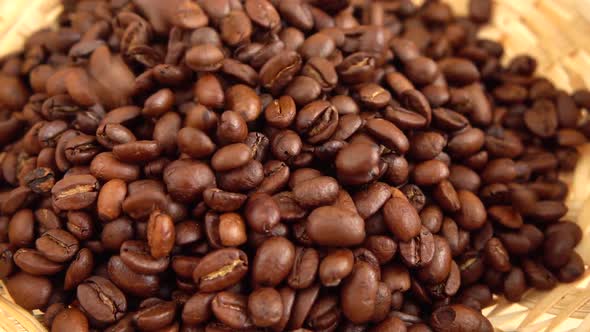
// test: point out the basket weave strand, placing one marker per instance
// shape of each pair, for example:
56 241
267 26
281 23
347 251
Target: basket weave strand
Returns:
555 32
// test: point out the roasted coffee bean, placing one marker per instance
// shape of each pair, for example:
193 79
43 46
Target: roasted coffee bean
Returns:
110 199
332 226
304 269
459 317
80 269
269 269
401 218
262 212
538 276
317 121
29 291
265 307
220 269
231 309
472 214
75 192
101 300
186 180
281 112
418 251
106 167
197 309
129 281
21 228
440 266
357 306
156 316
57 245
35 263
223 201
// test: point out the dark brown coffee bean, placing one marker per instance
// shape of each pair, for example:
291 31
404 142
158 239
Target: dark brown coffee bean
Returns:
80 269
70 319
472 214
538 276
439 267
265 307
28 291
304 269
331 226
156 316
359 306
129 281
106 167
279 70
542 119
515 284
506 216
195 143
418 251
220 269
186 180
116 232
205 57
75 192
401 218
430 172
90 293
269 269
57 245
223 201
33 262
262 212
197 309
496 255
459 317
572 270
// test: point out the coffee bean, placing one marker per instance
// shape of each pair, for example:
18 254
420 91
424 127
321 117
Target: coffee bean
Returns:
332 226
186 180
418 251
75 192
262 212
231 309
302 305
265 307
80 269
33 262
72 319
304 269
269 269
194 143
156 316
129 281
459 317
358 306
197 309
401 218
220 269
29 291
57 245
205 57
90 293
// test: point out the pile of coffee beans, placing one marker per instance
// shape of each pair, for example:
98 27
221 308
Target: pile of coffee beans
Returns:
280 165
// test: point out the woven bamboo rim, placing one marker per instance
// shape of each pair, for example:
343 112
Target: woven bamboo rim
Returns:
554 31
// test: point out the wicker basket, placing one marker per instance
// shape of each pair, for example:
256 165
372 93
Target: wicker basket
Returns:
554 31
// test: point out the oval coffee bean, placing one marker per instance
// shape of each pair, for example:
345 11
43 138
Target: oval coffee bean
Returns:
335 227
220 269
